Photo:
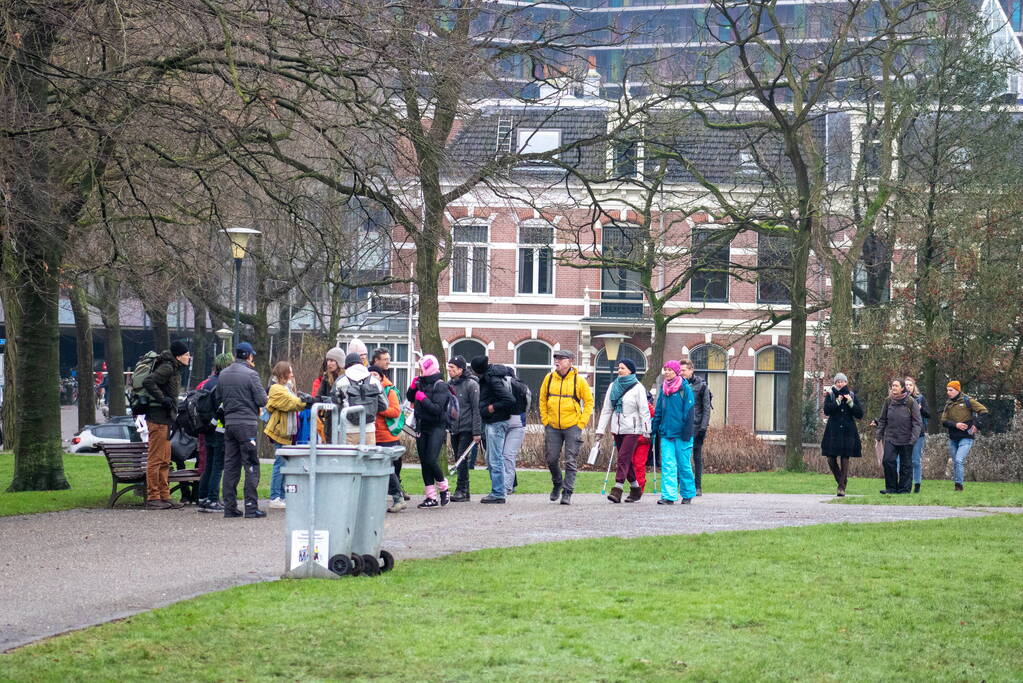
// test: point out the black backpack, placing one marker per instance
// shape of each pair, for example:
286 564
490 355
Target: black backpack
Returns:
197 414
522 394
364 393
452 410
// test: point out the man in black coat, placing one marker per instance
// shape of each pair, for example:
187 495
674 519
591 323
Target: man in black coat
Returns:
241 395
162 384
701 418
496 406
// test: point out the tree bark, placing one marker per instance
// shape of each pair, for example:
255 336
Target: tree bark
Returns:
199 368
427 279
841 319
158 318
83 346
797 345
656 361
11 322
110 313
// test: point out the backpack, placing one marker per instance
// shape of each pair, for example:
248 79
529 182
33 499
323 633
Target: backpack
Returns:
520 391
394 424
452 410
139 397
363 393
197 413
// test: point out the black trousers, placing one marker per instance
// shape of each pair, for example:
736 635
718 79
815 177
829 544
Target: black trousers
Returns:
459 442
898 467
698 457
393 484
240 452
429 444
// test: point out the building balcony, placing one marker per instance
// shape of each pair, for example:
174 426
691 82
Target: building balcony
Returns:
615 307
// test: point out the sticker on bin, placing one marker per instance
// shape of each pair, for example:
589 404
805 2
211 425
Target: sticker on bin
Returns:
300 547
291 488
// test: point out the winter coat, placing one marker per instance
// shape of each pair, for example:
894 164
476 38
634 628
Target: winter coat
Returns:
675 414
495 391
241 394
956 411
467 389
565 401
899 423
841 440
702 407
925 412
430 412
280 403
354 374
635 415
393 410
163 382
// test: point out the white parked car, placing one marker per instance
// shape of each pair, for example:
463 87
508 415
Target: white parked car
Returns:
93 436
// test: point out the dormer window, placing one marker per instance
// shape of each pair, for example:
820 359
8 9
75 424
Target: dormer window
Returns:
748 167
538 140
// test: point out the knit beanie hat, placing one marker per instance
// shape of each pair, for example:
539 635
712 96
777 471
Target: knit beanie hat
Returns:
458 362
178 348
429 365
674 366
955 385
357 347
337 355
840 377
479 364
629 363
352 359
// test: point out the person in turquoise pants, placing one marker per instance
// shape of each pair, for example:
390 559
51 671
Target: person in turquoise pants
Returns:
673 426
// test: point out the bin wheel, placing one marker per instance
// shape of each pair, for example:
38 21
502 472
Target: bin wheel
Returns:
358 566
370 565
387 560
340 565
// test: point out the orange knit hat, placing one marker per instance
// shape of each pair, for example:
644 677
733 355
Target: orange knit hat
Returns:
955 385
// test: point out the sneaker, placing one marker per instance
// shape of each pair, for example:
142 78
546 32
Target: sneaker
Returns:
687 501
887 491
211 506
254 513
277 504
460 497
429 503
491 498
841 493
444 498
959 487
566 497
229 513
699 492
665 501
397 506
158 504
555 492
173 504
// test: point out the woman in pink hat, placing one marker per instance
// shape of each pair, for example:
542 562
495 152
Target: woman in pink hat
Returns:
430 395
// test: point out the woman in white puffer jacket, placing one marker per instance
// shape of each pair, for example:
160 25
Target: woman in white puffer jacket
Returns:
627 413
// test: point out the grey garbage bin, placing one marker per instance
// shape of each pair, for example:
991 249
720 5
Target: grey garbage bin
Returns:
321 482
378 464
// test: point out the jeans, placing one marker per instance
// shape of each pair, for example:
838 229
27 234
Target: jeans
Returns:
958 449
554 439
677 468
209 483
496 432
918 459
513 439
276 478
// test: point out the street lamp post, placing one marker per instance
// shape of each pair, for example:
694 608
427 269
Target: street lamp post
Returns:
239 241
223 334
612 344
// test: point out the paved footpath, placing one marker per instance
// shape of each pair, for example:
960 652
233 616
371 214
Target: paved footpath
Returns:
66 570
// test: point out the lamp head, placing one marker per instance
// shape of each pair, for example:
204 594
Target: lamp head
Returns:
240 240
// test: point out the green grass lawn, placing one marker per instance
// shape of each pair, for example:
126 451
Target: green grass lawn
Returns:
937 600
90 487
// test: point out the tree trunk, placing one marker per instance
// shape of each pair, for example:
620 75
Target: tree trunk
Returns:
11 321
656 361
797 345
158 318
110 313
199 368
840 326
427 277
83 345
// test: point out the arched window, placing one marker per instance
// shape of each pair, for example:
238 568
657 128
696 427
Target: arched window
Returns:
467 349
532 363
606 371
711 363
771 389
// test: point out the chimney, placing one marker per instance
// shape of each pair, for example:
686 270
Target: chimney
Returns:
591 81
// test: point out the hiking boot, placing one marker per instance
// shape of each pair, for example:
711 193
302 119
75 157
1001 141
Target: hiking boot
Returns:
887 491
254 513
566 497
635 493
460 496
397 506
665 501
687 501
158 504
615 496
229 512
444 498
916 487
959 487
555 492
429 503
173 504
491 498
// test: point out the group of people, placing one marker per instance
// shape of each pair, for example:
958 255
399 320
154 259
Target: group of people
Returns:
900 431
480 405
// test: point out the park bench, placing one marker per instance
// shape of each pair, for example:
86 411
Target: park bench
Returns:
127 463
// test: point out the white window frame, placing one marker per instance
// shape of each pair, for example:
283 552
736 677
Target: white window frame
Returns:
537 140
470 260
535 248
534 408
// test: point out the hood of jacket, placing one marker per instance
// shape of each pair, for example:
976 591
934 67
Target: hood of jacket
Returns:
357 372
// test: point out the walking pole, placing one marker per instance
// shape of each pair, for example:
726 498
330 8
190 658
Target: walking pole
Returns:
653 451
461 459
610 459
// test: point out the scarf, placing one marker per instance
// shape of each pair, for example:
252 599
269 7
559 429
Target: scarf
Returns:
673 386
619 388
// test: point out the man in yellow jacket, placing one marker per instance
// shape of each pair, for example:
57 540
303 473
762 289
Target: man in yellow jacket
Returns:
566 404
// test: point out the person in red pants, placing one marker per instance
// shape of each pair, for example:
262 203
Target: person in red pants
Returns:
639 460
